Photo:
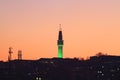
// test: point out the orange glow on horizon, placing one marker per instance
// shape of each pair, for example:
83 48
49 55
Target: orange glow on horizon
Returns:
88 27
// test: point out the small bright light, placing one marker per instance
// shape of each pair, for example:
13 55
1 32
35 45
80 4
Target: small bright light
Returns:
102 74
99 71
37 78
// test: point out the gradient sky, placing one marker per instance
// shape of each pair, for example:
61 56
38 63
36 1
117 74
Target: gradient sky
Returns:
89 27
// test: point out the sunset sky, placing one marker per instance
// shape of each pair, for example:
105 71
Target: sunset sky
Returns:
89 27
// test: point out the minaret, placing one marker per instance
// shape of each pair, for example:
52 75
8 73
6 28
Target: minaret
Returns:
60 43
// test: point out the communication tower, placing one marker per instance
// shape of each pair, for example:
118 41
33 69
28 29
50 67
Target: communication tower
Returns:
10 54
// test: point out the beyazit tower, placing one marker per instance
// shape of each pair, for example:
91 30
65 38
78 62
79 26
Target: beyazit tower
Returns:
60 43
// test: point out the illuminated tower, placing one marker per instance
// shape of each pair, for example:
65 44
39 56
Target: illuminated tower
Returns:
60 44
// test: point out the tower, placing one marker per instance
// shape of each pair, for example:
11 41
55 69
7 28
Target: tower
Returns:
60 43
10 54
19 55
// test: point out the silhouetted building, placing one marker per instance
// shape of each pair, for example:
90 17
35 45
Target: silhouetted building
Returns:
19 55
96 68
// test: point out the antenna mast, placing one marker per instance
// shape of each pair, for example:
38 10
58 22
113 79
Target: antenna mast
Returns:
10 54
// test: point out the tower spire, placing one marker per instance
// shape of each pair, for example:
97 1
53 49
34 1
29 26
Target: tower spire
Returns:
60 28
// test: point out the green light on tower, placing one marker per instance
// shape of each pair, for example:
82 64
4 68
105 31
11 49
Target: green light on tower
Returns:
60 44
60 51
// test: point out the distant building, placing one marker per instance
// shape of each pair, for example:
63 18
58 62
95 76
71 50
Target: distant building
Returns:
19 55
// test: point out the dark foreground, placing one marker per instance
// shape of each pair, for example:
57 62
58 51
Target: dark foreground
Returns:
97 68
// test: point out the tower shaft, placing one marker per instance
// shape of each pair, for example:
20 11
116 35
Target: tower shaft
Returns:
60 51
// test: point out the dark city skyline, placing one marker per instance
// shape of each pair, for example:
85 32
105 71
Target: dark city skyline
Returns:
89 27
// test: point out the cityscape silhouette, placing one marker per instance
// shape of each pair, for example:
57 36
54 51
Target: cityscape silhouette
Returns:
84 46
